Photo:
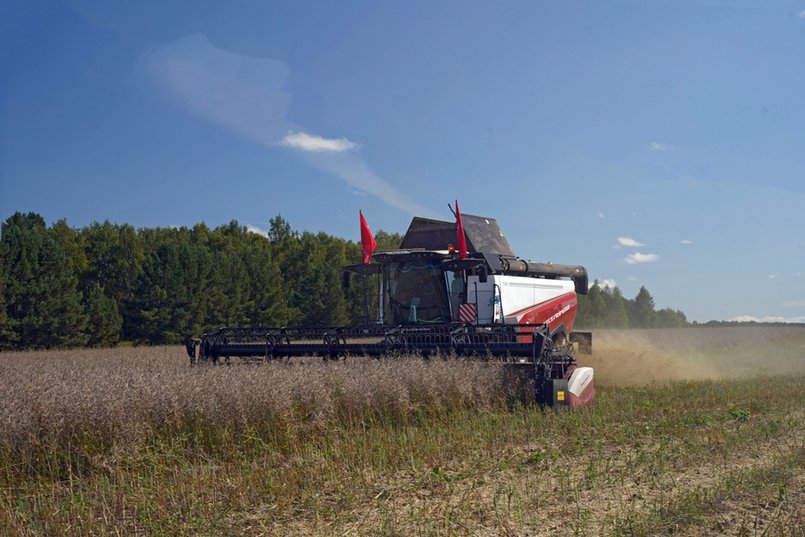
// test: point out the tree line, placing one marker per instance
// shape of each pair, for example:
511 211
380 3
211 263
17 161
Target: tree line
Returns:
606 307
98 285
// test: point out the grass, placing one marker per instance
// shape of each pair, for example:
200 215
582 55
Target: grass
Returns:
132 441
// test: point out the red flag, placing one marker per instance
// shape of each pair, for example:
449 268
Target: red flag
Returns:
460 238
368 243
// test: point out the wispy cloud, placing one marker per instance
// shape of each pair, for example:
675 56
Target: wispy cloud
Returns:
248 97
773 276
607 283
659 146
686 241
312 142
637 258
630 242
801 14
245 95
794 304
354 171
768 319
601 215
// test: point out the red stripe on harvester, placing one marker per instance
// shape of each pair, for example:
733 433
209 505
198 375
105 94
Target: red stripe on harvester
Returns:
466 313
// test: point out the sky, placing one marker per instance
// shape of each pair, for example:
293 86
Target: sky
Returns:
657 143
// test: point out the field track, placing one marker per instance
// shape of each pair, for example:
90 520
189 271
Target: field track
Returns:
694 432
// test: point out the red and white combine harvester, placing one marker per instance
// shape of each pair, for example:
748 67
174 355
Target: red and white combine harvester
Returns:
476 299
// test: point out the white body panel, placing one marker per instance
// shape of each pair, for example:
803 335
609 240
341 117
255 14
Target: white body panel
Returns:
483 295
579 380
503 296
519 293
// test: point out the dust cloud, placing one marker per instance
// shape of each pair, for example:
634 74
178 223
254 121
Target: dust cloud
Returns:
634 357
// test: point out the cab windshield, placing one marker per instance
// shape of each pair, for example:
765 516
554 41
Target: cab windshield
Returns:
417 293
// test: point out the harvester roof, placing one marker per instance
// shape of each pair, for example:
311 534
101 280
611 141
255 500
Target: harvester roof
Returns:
483 235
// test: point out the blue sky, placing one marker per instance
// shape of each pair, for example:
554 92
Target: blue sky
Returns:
658 143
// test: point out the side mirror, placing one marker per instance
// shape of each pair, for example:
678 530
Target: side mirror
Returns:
345 279
483 274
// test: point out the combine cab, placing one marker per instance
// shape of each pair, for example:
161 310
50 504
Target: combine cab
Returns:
488 304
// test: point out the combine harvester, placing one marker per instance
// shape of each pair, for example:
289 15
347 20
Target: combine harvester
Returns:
474 300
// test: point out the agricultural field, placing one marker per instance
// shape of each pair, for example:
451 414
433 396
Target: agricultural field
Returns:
695 431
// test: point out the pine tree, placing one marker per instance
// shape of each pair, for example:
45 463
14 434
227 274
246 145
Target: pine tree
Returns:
267 288
616 314
279 230
642 314
164 307
7 335
104 319
43 301
592 310
114 255
73 246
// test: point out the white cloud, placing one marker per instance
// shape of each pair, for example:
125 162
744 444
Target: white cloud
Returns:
773 276
637 257
633 279
768 319
248 96
628 241
312 142
607 283
685 241
256 230
601 215
659 146
801 15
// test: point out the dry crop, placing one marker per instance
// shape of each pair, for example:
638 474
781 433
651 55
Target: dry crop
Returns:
134 441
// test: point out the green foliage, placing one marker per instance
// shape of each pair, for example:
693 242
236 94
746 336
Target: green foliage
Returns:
739 414
592 307
6 333
168 299
316 296
43 304
114 256
669 318
62 287
607 308
279 230
388 241
642 313
104 320
617 313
